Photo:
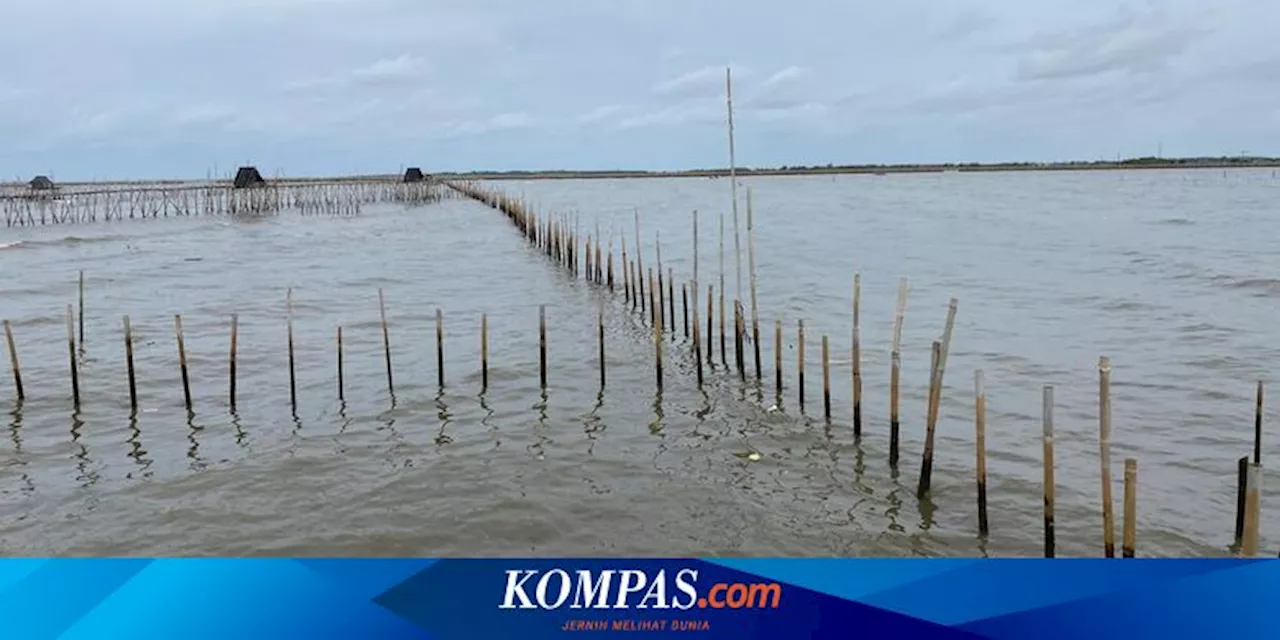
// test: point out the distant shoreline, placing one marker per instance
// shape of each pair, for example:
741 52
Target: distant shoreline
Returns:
1255 163
864 169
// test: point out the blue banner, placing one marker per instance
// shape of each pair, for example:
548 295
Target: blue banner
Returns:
193 599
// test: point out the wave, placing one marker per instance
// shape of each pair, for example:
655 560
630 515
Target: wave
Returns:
66 241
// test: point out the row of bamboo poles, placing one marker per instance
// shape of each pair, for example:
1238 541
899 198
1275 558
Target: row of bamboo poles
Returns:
320 198
645 291
559 239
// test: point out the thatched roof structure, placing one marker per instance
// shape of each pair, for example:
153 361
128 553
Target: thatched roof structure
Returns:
41 183
248 177
413 174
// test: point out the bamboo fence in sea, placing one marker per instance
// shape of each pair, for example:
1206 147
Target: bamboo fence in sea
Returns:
650 294
338 198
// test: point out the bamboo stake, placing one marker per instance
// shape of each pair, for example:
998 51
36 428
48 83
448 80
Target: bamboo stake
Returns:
71 350
980 425
1104 445
926 460
1048 472
1242 482
711 336
627 297
896 372
1257 427
639 261
439 348
751 268
1130 506
182 361
697 345
293 387
856 354
600 327
1252 511
695 262
654 314
386 341
661 290
657 339
800 360
733 183
82 309
542 346
777 357
13 361
826 379
128 358
684 308
231 362
341 384
723 358
484 352
671 299
739 332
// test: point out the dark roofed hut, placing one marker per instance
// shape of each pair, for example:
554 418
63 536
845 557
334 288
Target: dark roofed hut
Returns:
248 177
41 183
413 174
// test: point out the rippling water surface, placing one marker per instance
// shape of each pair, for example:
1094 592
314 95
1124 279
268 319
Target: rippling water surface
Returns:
1174 275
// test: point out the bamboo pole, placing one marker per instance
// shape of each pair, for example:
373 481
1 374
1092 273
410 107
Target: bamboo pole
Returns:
697 345
231 362
627 296
293 385
13 362
182 361
439 347
484 352
777 357
657 340
671 300
733 185
81 311
661 289
542 346
1252 511
926 460
935 398
1257 427
1104 446
71 350
751 268
128 358
1130 506
856 353
639 262
800 360
826 379
600 327
723 358
1048 472
696 290
710 333
654 314
1242 482
895 374
386 341
739 333
980 426
684 307
341 383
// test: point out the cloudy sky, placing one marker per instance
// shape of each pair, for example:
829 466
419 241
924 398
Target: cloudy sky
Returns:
150 88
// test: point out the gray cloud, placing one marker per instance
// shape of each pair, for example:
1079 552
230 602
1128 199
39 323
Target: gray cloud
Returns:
495 82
